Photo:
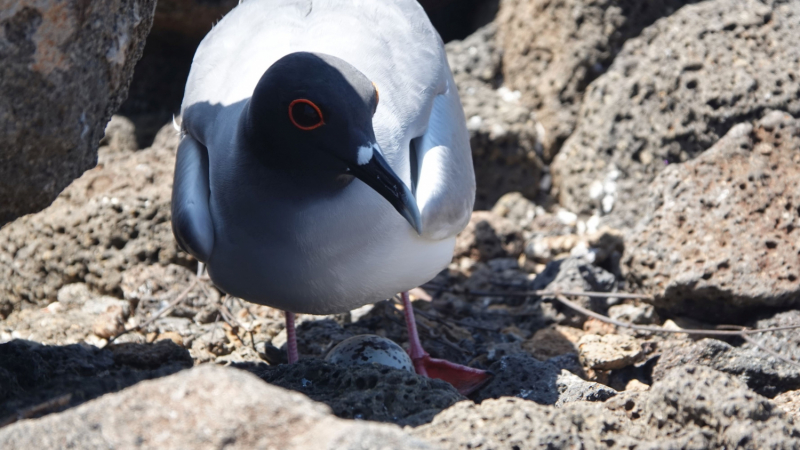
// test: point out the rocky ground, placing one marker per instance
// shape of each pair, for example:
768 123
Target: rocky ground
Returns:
646 147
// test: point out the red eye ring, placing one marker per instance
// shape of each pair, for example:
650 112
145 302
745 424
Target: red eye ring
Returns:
311 104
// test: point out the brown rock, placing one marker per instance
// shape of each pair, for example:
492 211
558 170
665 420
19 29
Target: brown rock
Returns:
553 50
671 93
552 341
503 133
203 408
66 68
114 217
608 352
110 323
789 402
720 238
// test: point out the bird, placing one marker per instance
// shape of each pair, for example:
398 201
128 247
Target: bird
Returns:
324 161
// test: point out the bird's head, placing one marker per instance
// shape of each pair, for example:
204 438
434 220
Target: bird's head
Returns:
313 112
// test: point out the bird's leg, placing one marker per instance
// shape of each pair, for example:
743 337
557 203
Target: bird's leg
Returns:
291 337
464 379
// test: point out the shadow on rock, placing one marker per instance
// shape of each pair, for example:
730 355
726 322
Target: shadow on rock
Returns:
39 379
369 392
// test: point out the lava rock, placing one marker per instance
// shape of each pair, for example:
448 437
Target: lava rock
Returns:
66 68
719 237
544 382
503 131
203 408
114 217
692 407
576 274
513 423
764 374
784 342
370 392
33 374
609 352
553 50
671 93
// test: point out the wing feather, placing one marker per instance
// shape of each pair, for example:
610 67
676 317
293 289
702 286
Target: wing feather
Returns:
191 218
446 187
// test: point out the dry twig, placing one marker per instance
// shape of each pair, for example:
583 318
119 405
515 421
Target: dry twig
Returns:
49 405
161 312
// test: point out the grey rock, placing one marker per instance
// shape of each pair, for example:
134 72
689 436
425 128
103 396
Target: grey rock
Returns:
763 374
66 68
513 423
114 217
693 407
577 274
718 237
502 131
697 407
671 93
784 342
204 408
553 50
544 382
572 388
370 392
640 314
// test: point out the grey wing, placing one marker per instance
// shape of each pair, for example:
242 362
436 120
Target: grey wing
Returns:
446 181
191 218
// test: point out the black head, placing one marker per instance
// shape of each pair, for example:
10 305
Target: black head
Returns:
313 113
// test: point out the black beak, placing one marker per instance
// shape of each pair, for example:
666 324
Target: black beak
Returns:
378 175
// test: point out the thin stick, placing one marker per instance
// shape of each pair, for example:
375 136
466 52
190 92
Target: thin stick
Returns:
27 413
546 293
158 314
657 329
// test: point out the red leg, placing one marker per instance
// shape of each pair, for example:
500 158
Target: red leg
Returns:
291 338
465 379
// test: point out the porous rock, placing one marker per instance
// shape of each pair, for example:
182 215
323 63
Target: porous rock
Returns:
543 382
577 274
204 408
693 407
608 352
32 374
370 392
671 93
66 68
763 374
553 50
503 132
112 218
719 236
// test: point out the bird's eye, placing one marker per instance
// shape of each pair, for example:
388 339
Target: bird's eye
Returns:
305 115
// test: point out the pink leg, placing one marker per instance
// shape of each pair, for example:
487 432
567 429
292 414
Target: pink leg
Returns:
464 379
291 337
415 350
